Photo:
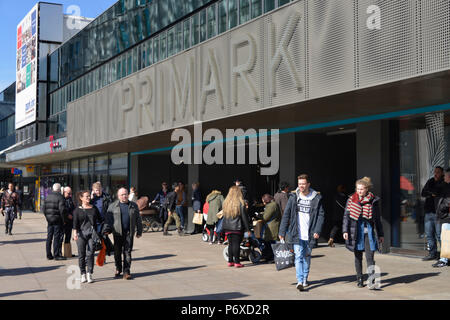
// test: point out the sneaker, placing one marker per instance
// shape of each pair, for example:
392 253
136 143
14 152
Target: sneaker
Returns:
10 233
126 276
305 283
210 243
238 265
89 278
83 278
300 287
117 274
440 264
60 258
230 264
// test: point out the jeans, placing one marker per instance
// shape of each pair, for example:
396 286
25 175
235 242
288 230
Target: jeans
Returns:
123 246
433 232
369 257
163 215
55 234
9 219
302 253
445 226
86 254
179 210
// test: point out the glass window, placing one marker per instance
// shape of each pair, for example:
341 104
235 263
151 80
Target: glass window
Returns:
179 38
203 25
417 163
269 5
163 45
232 13
135 60
171 42
119 69
149 52
124 65
186 34
156 50
118 161
101 163
129 62
223 15
212 25
283 2
244 11
195 29
256 8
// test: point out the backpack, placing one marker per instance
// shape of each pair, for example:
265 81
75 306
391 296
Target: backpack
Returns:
206 207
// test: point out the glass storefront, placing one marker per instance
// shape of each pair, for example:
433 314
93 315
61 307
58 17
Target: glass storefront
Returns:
424 144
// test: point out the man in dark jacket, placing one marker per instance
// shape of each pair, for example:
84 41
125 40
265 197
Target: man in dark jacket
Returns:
432 229
161 197
10 206
53 209
20 199
170 204
101 200
124 221
69 207
282 196
443 212
301 225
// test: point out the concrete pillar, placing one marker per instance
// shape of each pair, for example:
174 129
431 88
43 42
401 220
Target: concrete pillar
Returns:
287 159
377 158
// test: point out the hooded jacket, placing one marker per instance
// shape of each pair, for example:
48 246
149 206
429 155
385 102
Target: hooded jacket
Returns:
215 201
289 227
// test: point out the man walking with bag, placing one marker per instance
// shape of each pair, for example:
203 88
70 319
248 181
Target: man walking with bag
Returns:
10 205
124 221
443 216
301 225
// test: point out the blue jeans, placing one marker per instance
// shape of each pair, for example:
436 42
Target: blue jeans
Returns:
302 253
179 210
445 226
433 232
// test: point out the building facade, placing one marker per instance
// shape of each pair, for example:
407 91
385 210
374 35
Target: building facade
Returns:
355 88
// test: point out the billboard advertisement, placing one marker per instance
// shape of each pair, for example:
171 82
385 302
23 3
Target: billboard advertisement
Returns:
26 68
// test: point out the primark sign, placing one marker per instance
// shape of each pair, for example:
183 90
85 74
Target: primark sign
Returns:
244 70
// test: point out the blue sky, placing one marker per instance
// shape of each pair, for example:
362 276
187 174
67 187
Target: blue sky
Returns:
13 11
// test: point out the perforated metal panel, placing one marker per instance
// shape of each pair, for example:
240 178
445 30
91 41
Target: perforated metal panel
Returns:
390 52
434 20
331 42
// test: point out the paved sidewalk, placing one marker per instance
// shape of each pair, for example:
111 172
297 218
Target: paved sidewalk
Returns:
187 268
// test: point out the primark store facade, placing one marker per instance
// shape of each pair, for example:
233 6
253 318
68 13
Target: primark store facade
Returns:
355 88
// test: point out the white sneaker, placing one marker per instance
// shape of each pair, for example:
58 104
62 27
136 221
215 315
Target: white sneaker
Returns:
89 278
83 278
305 283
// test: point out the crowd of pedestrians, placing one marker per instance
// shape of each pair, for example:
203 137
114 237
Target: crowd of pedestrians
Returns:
292 216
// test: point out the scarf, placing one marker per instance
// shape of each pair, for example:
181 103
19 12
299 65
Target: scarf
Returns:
357 207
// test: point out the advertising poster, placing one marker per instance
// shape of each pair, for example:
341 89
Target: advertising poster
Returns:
27 42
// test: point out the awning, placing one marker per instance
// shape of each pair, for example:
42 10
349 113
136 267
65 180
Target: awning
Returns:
21 143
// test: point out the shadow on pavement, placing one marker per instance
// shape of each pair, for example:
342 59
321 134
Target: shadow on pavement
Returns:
29 233
163 256
216 296
329 281
23 241
26 270
8 294
407 279
163 271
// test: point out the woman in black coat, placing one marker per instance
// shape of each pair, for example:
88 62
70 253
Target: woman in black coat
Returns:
86 217
362 218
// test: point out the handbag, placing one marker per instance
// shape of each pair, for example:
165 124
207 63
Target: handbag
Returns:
198 218
445 241
283 255
67 250
219 214
97 241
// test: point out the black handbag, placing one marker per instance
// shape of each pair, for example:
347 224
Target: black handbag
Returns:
283 255
96 239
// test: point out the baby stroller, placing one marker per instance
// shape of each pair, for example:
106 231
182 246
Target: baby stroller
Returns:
250 249
150 215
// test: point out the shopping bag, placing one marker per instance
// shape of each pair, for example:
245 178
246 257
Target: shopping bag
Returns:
198 218
67 250
219 226
283 255
445 241
101 255
257 228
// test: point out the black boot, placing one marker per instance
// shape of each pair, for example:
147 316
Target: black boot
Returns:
360 282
